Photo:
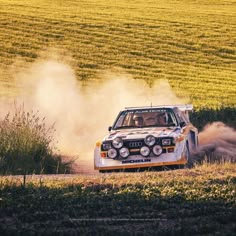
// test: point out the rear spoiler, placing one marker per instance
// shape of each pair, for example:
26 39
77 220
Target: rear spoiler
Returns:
186 107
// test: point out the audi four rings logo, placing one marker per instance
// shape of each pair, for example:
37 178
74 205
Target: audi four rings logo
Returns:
135 144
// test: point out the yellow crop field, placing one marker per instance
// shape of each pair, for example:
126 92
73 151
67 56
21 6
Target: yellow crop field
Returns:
192 44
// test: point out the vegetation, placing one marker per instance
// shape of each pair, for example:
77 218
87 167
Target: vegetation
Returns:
190 43
198 201
204 116
26 145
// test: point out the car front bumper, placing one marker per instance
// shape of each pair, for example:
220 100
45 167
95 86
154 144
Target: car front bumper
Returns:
137 161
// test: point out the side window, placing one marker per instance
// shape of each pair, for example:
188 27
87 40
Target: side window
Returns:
185 117
171 118
182 117
178 115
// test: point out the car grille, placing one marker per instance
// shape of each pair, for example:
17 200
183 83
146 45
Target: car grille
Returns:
134 144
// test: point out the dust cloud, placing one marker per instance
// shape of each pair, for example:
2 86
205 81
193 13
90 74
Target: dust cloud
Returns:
82 111
217 142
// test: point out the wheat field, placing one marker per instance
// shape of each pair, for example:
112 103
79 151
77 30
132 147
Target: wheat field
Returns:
189 43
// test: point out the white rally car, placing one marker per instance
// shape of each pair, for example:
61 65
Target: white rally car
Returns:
144 137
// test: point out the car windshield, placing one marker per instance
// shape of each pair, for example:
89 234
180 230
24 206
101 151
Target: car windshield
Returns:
145 118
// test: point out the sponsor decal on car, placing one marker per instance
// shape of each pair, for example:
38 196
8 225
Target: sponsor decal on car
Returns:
136 161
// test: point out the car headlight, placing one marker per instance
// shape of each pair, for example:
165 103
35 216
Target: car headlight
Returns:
124 152
157 150
150 140
145 151
112 153
166 142
117 143
106 146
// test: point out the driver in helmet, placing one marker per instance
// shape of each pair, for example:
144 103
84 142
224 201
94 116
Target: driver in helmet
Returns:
138 120
161 118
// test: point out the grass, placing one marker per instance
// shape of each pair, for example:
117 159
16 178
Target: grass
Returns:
27 145
198 201
190 43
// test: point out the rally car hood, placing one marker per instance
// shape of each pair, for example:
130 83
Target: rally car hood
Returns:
137 133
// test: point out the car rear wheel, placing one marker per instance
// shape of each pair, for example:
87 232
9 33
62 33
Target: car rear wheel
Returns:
187 156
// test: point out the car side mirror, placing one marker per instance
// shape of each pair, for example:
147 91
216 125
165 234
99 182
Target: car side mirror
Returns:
109 128
182 124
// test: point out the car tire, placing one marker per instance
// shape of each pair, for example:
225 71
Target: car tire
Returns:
187 155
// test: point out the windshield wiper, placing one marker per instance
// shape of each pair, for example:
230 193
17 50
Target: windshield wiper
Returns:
160 125
126 127
149 126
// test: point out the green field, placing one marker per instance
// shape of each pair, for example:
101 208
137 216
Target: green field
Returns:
199 201
190 43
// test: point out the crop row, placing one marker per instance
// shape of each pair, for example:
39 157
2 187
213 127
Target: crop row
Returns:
192 43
